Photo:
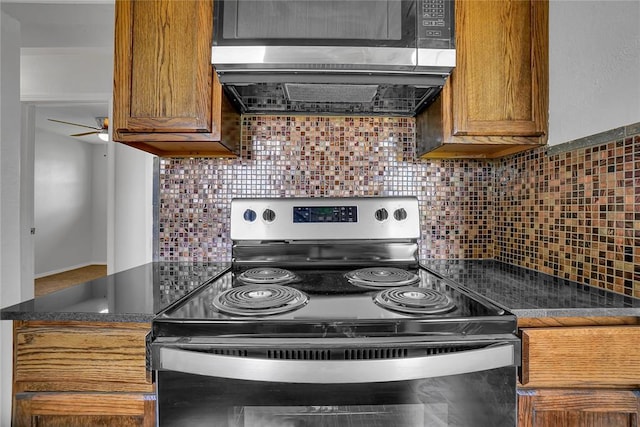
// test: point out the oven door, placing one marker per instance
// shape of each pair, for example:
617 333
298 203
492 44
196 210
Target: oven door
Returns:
470 384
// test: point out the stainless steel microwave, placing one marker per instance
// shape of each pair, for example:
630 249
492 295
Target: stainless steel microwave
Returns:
342 47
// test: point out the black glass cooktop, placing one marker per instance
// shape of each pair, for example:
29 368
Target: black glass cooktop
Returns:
329 298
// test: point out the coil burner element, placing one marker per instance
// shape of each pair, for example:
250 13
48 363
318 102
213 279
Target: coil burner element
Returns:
259 300
414 300
270 275
381 277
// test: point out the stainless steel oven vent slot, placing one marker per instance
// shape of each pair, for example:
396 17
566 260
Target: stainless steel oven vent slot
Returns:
375 353
444 350
354 353
399 352
293 354
230 352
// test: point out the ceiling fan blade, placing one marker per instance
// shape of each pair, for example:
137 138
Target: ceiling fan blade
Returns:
85 133
75 124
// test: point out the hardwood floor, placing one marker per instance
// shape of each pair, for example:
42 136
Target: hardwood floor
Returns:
55 282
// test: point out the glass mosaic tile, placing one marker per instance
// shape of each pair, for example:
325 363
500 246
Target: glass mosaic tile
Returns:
573 215
299 156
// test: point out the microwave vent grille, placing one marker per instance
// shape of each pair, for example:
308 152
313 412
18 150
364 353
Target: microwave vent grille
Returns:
369 99
302 92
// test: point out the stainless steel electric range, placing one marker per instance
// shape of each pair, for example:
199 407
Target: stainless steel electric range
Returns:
326 318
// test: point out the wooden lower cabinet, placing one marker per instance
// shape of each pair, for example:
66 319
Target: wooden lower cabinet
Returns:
578 373
581 356
578 408
71 373
84 409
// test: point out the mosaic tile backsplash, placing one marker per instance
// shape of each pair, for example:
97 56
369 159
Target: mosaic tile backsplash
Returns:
324 156
574 215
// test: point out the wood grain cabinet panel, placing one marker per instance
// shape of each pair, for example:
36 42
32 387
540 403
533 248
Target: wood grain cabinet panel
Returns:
496 100
167 99
581 357
72 356
578 408
71 373
580 376
84 409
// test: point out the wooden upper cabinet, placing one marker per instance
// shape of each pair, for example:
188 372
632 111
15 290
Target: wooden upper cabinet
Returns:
496 100
167 99
502 68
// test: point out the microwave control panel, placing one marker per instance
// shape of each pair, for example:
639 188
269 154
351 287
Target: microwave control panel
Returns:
435 24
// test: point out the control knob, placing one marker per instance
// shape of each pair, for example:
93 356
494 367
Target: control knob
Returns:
381 214
249 215
400 214
268 215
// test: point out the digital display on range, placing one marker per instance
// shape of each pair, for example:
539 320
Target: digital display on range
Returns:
320 214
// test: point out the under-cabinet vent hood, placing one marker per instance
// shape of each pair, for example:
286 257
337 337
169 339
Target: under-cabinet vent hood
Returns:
334 97
370 57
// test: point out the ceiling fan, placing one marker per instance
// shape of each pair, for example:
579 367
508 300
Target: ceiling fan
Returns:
102 130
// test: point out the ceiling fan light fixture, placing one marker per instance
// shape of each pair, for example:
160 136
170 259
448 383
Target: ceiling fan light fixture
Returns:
103 122
102 130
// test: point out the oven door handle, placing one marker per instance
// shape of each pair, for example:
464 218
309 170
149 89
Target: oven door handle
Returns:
336 371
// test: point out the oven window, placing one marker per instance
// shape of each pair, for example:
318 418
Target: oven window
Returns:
313 20
322 416
480 399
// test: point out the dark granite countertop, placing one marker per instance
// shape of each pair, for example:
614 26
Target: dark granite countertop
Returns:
528 293
134 295
138 294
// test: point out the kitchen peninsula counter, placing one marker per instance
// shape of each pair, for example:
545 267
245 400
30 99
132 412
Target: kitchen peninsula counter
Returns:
138 294
134 295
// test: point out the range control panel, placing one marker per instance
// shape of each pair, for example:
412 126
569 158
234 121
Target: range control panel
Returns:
325 218
325 214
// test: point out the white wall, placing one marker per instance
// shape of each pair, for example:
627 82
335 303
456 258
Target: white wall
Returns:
70 205
99 204
15 285
594 67
132 208
66 74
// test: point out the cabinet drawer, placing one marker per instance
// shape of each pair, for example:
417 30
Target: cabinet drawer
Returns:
84 409
578 408
73 356
581 357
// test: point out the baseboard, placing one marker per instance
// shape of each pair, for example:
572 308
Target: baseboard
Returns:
63 270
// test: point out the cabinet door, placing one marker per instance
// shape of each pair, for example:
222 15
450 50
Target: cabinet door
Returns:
578 408
80 356
501 78
84 409
560 357
163 66
495 102
167 99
